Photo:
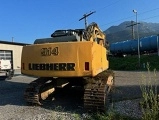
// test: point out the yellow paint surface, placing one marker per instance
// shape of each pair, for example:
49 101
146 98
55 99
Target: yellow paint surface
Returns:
68 52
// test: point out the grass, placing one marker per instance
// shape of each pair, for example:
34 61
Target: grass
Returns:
61 114
111 115
131 62
150 103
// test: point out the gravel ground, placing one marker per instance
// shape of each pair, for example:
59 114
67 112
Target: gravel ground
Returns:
127 93
128 108
13 107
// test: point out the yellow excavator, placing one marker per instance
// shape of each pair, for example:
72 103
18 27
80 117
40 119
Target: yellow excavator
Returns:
69 58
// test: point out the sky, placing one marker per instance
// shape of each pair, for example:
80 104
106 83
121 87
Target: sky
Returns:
27 20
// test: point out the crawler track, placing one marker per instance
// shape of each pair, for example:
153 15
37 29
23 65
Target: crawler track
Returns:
96 95
33 91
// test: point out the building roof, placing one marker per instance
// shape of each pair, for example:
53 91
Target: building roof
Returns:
13 43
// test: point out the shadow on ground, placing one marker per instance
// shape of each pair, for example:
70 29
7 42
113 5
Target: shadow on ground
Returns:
11 93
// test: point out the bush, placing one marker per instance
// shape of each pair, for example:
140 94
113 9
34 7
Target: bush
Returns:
149 103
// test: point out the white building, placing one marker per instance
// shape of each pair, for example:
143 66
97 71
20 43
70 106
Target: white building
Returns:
12 51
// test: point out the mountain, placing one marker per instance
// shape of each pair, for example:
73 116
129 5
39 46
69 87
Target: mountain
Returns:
124 32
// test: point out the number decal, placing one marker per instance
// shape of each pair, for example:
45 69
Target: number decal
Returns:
49 51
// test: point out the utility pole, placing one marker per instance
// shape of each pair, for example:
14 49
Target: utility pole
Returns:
85 18
157 45
12 39
137 31
132 28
